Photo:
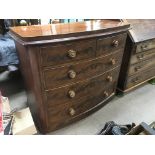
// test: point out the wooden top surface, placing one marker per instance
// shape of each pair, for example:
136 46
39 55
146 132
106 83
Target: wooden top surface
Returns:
52 31
142 29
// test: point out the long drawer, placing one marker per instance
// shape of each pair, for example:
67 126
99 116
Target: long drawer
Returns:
142 66
67 52
57 77
140 77
144 46
62 114
74 92
142 56
110 44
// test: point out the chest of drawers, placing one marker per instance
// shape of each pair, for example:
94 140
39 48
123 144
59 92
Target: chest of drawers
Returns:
70 70
138 65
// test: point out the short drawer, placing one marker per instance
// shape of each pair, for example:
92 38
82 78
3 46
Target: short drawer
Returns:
144 46
142 56
67 52
57 77
74 92
61 114
142 66
140 77
110 44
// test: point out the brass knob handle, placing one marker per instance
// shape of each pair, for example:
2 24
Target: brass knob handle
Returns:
72 74
71 94
115 43
106 93
144 47
109 78
137 68
135 80
140 57
71 111
72 53
113 61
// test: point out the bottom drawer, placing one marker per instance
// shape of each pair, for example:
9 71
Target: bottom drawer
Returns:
64 114
140 77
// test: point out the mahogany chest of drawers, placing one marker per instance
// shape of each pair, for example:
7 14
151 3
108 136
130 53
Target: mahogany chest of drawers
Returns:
138 65
70 70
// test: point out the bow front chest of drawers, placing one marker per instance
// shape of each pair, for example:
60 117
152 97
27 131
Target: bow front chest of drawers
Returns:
138 65
70 70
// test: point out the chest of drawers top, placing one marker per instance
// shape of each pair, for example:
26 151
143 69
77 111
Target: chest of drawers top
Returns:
64 32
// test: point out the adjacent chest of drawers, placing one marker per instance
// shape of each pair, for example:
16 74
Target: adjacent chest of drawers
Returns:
138 65
71 72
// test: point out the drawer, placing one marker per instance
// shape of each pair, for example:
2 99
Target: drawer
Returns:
62 114
144 46
140 77
57 77
79 90
110 44
67 52
142 66
142 56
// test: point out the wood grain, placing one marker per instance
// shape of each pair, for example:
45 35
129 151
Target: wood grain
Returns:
57 77
55 31
140 77
106 45
81 108
142 66
145 46
58 55
136 58
141 29
82 89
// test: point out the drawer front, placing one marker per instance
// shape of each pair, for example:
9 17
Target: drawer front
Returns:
110 44
140 77
67 52
142 56
60 76
142 66
79 90
62 114
144 46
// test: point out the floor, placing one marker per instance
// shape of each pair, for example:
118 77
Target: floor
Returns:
137 106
